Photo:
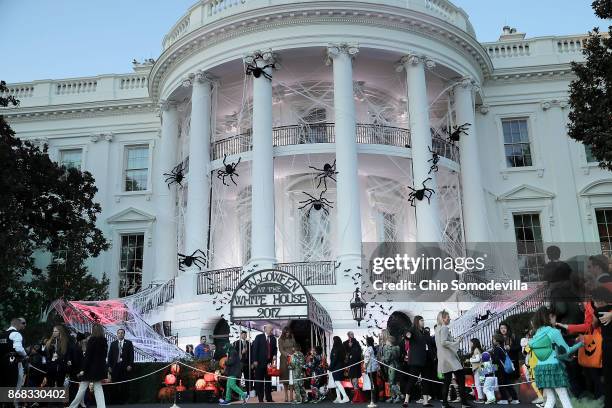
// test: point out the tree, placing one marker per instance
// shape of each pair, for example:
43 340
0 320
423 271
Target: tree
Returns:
43 207
591 93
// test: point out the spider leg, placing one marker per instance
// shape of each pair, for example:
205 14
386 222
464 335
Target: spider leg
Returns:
224 159
411 189
308 202
411 200
314 198
325 210
231 176
314 168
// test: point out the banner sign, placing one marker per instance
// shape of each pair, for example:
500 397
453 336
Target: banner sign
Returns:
272 294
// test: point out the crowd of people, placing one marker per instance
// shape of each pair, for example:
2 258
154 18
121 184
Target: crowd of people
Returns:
79 362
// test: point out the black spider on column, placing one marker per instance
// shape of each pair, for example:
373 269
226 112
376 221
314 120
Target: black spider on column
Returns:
421 193
435 158
228 171
318 204
193 259
455 133
253 69
328 171
176 175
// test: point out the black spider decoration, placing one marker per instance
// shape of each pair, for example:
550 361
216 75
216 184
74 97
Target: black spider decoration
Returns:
176 175
421 193
228 171
193 259
455 133
328 171
318 204
253 69
435 158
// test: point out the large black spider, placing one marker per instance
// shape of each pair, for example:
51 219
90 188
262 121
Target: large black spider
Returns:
421 193
455 133
435 158
176 175
228 171
193 259
253 69
318 204
328 171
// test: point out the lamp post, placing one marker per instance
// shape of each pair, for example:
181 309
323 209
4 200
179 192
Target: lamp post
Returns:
358 307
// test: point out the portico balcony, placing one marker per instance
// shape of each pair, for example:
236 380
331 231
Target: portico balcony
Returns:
325 133
308 273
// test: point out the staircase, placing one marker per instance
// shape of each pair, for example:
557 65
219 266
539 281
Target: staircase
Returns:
125 313
482 321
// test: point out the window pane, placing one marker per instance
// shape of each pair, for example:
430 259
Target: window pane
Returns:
529 245
131 264
589 154
136 168
516 143
604 227
71 158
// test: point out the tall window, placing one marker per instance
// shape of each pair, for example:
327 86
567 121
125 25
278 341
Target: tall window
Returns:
516 143
136 168
71 158
529 245
604 227
130 272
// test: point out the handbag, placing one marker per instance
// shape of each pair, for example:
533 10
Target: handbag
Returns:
330 380
367 384
508 364
273 371
591 354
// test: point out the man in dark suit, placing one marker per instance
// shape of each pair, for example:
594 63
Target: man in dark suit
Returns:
120 364
243 347
262 351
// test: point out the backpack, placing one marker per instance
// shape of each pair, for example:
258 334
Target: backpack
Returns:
508 364
541 345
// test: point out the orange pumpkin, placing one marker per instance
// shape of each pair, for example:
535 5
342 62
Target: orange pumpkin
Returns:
175 368
210 377
170 379
591 354
222 362
180 387
200 384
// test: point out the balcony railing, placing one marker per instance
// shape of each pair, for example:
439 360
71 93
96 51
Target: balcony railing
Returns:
311 273
308 273
326 133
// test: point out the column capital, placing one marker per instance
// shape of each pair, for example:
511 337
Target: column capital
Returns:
166 105
414 59
261 58
336 49
198 77
467 82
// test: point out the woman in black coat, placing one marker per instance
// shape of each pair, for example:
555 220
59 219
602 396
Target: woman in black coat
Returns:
413 355
337 363
353 356
94 367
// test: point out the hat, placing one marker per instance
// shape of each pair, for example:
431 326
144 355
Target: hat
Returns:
486 357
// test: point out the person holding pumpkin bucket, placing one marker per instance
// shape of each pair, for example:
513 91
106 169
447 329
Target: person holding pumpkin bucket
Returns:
550 374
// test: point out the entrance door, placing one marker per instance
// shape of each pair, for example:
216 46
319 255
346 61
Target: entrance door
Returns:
301 330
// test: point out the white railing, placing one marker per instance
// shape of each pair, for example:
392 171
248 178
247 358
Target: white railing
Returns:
505 50
76 87
20 91
134 82
570 44
208 11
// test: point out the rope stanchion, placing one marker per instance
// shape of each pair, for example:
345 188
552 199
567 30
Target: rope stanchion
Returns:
441 382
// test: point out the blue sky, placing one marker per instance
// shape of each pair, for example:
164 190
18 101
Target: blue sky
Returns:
51 39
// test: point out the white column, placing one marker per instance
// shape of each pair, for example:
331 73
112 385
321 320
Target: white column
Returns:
473 196
427 214
165 224
198 178
347 186
263 251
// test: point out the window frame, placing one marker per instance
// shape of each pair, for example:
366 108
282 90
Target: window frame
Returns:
527 120
62 150
124 168
542 241
123 234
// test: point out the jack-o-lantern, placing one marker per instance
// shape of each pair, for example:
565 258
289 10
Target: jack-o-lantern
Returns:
170 379
180 387
210 377
591 354
200 384
175 368
222 362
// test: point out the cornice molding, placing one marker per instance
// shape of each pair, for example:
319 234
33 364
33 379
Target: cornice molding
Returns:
81 110
253 21
532 74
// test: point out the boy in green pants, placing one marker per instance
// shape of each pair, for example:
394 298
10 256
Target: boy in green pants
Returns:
233 370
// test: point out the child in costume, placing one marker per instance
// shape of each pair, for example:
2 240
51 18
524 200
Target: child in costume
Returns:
391 355
296 365
530 362
550 374
487 377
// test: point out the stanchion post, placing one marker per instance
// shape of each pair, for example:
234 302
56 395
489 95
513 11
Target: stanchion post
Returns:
372 404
